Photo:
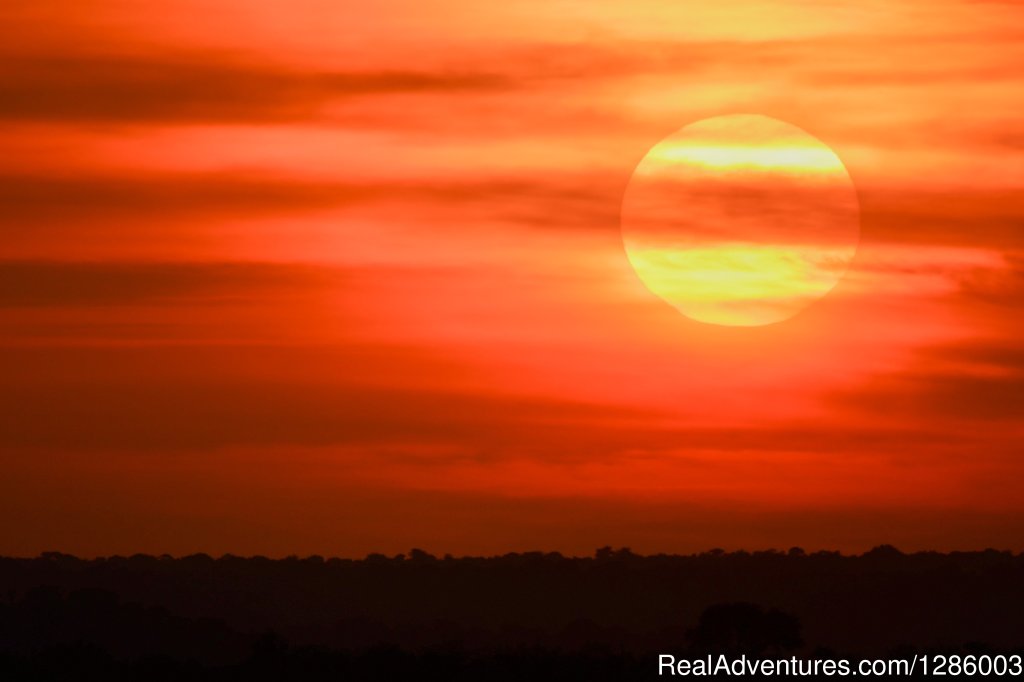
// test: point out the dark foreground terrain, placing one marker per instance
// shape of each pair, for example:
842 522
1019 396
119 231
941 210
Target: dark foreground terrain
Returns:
530 616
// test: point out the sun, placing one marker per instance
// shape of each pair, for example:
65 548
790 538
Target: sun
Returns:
740 220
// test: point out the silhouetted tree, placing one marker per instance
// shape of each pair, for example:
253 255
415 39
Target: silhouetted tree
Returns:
745 628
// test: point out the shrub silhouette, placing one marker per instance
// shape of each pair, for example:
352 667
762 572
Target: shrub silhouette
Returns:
745 628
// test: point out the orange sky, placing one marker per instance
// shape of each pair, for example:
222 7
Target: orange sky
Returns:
301 277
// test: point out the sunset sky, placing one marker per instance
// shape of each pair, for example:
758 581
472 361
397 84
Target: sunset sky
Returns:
314 276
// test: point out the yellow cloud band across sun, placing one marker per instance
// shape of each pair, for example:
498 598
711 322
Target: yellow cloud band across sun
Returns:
738 284
792 158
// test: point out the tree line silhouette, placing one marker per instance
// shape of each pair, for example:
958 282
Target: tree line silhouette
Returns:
527 615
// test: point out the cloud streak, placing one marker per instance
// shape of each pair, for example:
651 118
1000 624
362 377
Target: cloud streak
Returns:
35 284
196 88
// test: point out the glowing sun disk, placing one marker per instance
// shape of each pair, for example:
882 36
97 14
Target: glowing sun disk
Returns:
740 220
